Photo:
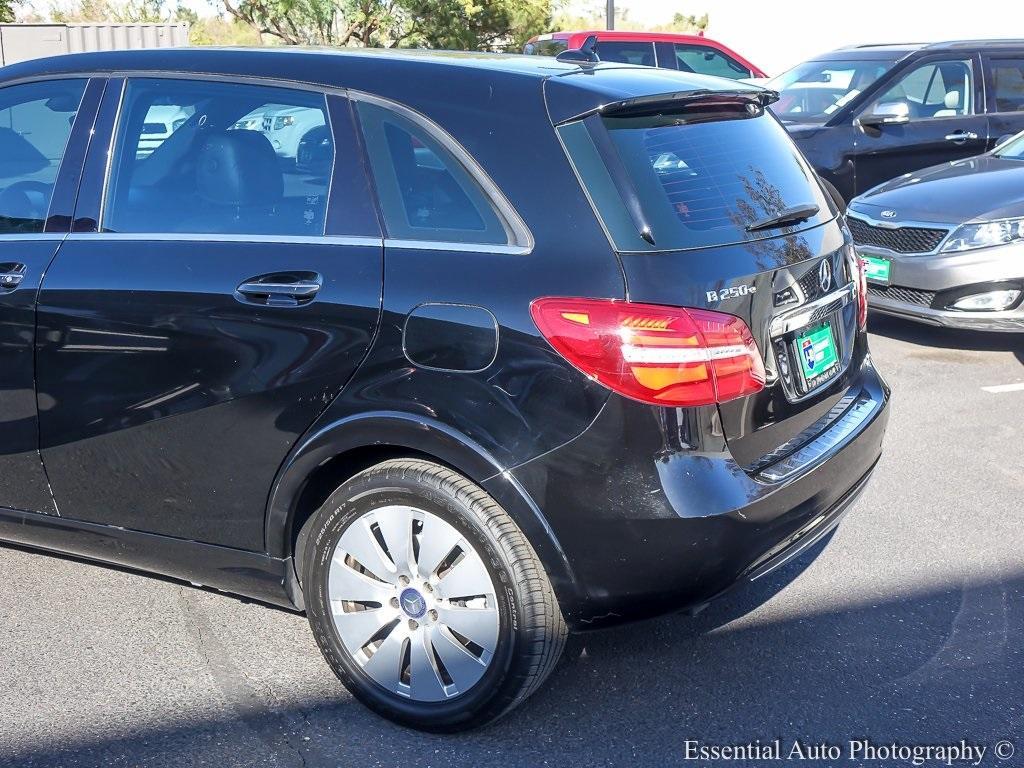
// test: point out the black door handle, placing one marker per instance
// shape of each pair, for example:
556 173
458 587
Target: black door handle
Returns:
292 289
11 276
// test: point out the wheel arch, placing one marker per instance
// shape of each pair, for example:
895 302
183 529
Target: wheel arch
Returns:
341 449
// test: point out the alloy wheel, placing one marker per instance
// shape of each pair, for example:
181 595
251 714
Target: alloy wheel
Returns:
413 603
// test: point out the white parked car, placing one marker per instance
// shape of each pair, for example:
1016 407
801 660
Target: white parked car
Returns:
161 122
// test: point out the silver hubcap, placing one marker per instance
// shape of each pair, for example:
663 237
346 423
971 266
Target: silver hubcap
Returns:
413 603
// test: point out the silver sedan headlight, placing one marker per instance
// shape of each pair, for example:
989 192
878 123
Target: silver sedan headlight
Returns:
983 235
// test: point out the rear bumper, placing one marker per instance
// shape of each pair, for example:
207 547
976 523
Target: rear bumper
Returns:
650 524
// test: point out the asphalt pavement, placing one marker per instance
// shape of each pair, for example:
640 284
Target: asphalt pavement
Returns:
907 628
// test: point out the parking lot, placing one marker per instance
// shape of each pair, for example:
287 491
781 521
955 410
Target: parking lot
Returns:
907 626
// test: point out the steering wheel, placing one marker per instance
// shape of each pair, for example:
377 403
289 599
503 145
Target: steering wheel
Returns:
26 200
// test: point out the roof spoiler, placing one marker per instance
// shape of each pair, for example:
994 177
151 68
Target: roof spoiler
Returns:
667 101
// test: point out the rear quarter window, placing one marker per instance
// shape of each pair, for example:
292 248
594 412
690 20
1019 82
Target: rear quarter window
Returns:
426 193
701 177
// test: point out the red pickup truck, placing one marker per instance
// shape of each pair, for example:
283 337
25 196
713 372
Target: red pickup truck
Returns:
689 53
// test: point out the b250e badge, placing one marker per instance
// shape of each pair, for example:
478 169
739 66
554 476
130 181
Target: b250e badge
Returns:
730 293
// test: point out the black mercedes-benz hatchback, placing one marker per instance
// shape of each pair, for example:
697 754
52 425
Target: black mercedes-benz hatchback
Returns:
455 353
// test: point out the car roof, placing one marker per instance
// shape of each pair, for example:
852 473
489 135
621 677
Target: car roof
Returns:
430 74
615 34
268 61
899 50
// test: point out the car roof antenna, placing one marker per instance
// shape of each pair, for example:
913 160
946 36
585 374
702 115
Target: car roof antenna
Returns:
585 54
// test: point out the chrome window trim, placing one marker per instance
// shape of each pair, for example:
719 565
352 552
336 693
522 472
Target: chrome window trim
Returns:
910 223
192 237
19 237
111 147
440 245
350 240
521 238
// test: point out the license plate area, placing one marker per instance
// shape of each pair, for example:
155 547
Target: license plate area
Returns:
877 269
817 350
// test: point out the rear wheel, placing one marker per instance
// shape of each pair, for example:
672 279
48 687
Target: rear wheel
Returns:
427 600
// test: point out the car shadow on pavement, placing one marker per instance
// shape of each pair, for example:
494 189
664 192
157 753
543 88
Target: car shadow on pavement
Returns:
946 338
933 665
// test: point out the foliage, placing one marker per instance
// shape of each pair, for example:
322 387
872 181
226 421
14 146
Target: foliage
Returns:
6 11
489 25
126 12
593 17
456 24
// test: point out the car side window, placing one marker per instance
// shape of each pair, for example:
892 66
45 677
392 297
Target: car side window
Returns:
210 157
425 192
1008 84
936 89
626 53
705 60
35 124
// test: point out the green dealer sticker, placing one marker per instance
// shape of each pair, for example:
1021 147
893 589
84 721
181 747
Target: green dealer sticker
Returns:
817 351
877 270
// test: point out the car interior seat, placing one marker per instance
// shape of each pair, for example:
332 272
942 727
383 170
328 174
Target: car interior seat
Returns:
951 105
240 182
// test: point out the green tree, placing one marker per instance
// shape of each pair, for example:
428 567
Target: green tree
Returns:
593 17
460 24
6 11
126 12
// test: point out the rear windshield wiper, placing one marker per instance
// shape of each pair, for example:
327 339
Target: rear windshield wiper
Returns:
784 218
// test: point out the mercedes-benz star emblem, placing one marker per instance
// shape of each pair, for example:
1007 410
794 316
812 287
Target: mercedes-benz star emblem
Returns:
825 275
413 603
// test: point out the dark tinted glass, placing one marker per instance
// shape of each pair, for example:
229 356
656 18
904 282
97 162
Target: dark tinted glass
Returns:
545 47
425 192
35 123
701 178
1008 84
626 53
708 61
219 158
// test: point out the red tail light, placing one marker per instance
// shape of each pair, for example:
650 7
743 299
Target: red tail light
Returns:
660 355
862 292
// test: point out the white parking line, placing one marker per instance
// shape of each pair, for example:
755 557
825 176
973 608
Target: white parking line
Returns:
999 388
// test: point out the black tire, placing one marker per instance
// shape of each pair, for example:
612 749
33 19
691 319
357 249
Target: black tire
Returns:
531 633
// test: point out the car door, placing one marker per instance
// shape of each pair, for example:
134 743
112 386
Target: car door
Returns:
1004 87
213 298
932 113
37 157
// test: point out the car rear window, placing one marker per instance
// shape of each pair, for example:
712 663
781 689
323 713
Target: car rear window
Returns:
699 177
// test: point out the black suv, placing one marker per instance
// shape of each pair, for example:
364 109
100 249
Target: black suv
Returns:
515 347
866 115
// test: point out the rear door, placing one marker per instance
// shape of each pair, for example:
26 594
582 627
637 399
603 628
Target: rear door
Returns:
198 319
39 167
943 98
1004 88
